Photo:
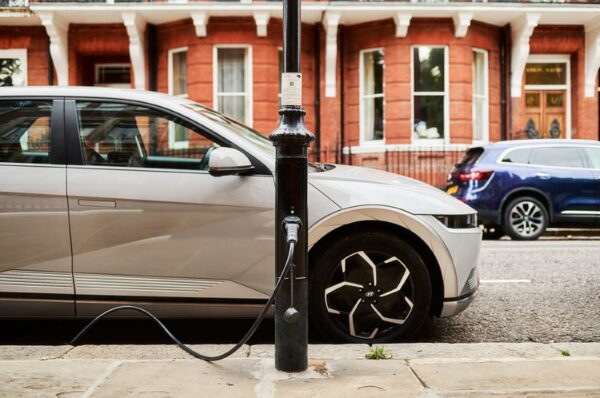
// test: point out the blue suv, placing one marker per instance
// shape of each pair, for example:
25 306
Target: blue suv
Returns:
522 187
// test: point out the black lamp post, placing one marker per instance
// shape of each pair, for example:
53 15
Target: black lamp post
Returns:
291 140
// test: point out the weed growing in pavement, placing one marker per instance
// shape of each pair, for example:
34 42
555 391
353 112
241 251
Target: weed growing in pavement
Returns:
565 353
378 352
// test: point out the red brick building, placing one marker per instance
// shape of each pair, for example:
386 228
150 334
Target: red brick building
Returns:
404 85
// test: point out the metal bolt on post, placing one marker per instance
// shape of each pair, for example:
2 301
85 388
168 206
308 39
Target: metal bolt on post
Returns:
291 140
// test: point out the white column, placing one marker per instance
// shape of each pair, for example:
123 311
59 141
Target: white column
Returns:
521 31
330 22
402 21
200 19
592 56
262 21
462 21
58 32
135 29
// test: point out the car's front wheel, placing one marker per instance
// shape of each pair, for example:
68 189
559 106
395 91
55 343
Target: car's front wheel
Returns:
369 287
525 218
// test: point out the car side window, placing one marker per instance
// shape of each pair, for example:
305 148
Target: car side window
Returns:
520 155
25 131
130 135
557 157
594 156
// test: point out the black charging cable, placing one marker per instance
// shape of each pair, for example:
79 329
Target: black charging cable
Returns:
292 225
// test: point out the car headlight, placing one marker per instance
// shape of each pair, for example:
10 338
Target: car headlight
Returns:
459 221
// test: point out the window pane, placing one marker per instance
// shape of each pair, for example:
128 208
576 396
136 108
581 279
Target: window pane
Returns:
429 116
12 72
517 156
231 67
113 74
546 73
373 72
428 69
563 157
233 106
478 73
373 118
25 131
179 83
478 118
594 156
126 135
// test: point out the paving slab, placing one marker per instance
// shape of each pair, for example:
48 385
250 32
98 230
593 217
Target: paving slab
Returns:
229 378
158 351
316 351
475 351
505 377
13 352
355 378
51 378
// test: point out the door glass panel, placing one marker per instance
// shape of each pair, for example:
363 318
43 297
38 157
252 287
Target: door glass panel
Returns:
25 131
532 100
594 156
130 135
555 100
557 156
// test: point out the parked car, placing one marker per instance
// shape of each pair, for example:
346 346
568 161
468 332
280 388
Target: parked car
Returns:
117 196
522 187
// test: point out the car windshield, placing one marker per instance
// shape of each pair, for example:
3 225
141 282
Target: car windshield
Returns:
259 141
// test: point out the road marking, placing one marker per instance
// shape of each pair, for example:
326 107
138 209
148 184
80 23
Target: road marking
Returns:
505 281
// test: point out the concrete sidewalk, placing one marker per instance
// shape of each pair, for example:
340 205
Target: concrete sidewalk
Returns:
415 370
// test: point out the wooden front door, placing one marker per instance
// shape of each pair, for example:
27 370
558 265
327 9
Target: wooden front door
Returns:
546 112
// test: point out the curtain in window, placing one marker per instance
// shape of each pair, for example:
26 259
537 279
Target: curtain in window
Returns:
232 82
372 92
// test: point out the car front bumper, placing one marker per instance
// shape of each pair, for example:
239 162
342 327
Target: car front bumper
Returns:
453 307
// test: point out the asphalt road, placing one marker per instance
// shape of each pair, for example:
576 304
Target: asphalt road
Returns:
542 291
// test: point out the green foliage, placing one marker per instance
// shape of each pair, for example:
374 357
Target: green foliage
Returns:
378 352
565 353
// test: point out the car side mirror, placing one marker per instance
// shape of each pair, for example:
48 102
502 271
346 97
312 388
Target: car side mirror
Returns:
228 161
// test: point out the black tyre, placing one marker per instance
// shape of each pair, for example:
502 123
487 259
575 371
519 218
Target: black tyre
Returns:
525 218
369 287
493 232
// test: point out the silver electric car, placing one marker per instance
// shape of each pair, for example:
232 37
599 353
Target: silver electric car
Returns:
118 196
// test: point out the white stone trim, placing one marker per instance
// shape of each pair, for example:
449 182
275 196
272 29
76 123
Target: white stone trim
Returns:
58 32
362 149
330 23
262 22
200 20
135 25
462 21
592 57
521 32
402 21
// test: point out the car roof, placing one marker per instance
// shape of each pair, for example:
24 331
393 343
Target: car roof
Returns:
79 91
540 142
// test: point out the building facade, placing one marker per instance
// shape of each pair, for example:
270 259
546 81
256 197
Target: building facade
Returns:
404 86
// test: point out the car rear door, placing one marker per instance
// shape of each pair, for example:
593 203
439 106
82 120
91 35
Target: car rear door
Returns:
35 252
593 158
562 174
149 222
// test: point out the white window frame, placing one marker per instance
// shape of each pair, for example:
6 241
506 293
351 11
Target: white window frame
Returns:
554 58
97 74
485 135
172 143
20 53
361 97
430 141
249 80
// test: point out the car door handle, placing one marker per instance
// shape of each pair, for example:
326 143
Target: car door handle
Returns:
97 203
543 176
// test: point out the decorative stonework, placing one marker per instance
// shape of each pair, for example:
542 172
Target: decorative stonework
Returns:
462 21
135 29
521 32
592 56
402 21
330 22
262 22
58 32
200 20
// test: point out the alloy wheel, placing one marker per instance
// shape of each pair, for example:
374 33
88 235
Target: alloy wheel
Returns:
526 218
369 294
